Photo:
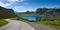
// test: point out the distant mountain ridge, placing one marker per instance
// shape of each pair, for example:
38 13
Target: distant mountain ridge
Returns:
54 13
6 13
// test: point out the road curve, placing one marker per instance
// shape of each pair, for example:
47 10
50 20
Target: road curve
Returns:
16 25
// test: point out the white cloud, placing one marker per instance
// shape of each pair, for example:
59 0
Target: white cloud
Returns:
6 4
13 1
21 0
1 4
9 4
20 8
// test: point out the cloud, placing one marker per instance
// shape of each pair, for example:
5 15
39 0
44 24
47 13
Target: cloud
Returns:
6 3
21 0
19 8
12 1
10 4
1 4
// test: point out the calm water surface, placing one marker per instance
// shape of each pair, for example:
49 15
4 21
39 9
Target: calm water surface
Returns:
29 17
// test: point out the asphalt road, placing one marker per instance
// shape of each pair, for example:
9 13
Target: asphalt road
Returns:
16 25
19 25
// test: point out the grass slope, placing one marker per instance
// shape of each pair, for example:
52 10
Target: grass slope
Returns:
3 22
54 24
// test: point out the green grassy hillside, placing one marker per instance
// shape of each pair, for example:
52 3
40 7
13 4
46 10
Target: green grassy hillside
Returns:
6 13
3 22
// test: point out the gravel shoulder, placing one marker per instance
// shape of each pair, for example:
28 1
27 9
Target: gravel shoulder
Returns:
40 27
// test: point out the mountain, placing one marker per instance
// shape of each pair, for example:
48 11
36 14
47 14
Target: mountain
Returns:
41 10
54 13
6 13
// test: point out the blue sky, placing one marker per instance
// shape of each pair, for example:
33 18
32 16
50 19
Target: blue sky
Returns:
29 5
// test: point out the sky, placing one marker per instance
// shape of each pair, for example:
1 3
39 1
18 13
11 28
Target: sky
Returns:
29 5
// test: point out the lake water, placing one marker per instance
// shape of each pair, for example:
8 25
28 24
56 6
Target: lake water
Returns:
29 17
33 17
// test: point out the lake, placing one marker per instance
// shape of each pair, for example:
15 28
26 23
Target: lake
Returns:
29 17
